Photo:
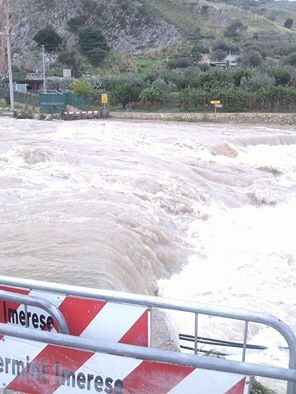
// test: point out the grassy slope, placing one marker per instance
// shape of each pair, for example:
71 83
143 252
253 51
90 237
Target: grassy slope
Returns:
256 18
265 19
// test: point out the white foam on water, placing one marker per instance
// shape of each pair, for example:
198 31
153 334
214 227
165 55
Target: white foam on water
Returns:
204 211
245 257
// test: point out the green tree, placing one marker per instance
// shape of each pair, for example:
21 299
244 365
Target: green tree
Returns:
275 97
93 44
282 76
127 93
288 23
218 55
215 78
290 59
96 56
196 53
232 30
182 78
71 60
256 81
240 73
81 87
179 62
49 38
251 58
191 99
76 23
153 95
90 38
232 98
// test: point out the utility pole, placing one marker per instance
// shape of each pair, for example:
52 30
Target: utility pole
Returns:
43 68
9 64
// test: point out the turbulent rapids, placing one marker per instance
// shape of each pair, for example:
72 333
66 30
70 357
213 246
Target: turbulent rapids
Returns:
192 210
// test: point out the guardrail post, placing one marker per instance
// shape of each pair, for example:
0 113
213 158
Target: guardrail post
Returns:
245 340
195 332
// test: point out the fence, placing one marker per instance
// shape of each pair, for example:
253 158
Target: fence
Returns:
155 303
50 101
29 99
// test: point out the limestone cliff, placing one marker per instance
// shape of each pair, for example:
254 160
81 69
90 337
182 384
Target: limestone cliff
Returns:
128 26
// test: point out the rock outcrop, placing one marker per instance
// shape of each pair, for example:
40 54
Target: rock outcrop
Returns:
128 26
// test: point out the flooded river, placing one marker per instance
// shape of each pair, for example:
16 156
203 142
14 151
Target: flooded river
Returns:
185 210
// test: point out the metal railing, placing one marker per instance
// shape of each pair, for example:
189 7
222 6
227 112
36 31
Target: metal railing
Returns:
217 364
187 339
143 353
36 302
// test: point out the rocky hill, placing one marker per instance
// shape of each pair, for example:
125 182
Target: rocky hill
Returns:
128 25
145 26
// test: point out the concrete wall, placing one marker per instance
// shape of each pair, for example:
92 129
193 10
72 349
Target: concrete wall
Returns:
253 118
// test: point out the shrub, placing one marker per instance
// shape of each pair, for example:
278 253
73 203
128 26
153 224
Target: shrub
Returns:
240 73
275 96
96 56
225 46
89 5
288 23
81 87
23 114
76 23
3 103
90 38
49 38
196 53
180 62
60 84
71 60
182 78
93 44
153 95
232 30
218 55
233 98
203 67
251 58
160 83
215 78
192 98
290 59
256 81
127 93
282 76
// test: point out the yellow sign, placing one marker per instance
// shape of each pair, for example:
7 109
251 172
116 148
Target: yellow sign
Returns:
104 98
215 101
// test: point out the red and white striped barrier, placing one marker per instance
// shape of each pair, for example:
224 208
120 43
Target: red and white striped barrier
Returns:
34 368
40 368
86 317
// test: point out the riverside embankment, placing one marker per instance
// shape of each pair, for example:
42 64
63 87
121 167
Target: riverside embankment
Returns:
234 118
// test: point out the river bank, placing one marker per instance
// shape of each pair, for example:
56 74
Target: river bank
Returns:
267 118
234 118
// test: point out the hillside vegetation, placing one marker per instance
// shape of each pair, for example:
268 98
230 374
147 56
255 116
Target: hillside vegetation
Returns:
145 33
160 54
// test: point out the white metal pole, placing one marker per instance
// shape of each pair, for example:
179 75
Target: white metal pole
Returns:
9 63
43 68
